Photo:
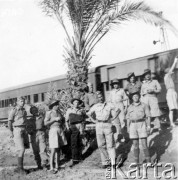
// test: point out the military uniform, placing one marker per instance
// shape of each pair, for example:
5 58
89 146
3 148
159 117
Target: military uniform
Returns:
90 99
116 97
104 132
136 115
18 118
75 118
56 132
37 139
171 95
138 127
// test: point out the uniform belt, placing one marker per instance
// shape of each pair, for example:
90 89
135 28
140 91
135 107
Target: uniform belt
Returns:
20 126
103 121
138 120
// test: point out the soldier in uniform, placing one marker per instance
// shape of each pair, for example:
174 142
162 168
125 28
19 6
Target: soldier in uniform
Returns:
74 121
90 97
36 130
17 126
57 138
104 114
138 125
119 99
171 95
133 85
149 90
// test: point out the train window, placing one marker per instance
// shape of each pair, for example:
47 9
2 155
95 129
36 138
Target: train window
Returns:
2 103
35 96
42 97
6 103
28 98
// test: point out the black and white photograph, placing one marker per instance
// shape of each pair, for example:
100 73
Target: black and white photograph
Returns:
88 89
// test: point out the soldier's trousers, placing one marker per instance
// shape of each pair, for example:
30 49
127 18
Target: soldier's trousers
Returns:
105 141
76 143
39 147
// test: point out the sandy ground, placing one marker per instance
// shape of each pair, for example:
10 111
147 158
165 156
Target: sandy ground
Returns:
163 147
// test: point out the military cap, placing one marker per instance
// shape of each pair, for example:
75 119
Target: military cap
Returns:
146 71
21 98
114 81
76 98
130 75
133 93
53 103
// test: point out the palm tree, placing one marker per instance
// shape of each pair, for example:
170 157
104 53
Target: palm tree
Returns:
91 20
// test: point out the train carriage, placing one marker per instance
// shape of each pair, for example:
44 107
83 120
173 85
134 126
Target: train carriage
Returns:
157 63
100 76
35 92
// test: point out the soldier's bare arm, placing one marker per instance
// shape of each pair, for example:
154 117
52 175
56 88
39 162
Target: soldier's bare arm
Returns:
174 64
48 120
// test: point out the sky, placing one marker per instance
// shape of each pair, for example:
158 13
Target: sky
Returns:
31 43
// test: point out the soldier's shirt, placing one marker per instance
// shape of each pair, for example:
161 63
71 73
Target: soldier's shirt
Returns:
117 96
90 99
152 84
35 123
53 114
103 111
133 87
138 111
75 115
169 83
18 116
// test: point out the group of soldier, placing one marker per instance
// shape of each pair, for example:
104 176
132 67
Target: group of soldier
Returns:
132 108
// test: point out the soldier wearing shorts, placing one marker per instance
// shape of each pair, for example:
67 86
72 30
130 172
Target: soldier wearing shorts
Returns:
104 114
119 99
17 125
57 138
138 126
171 95
36 131
149 90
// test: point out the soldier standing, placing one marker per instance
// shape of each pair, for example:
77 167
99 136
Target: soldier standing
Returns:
105 113
37 137
74 121
149 90
90 97
120 100
171 95
138 125
133 85
17 126
57 138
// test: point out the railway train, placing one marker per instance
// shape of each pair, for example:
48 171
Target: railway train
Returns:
100 77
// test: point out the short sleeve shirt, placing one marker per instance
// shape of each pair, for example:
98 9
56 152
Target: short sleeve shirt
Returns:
77 111
138 111
90 100
152 84
102 111
117 96
169 83
18 116
133 87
